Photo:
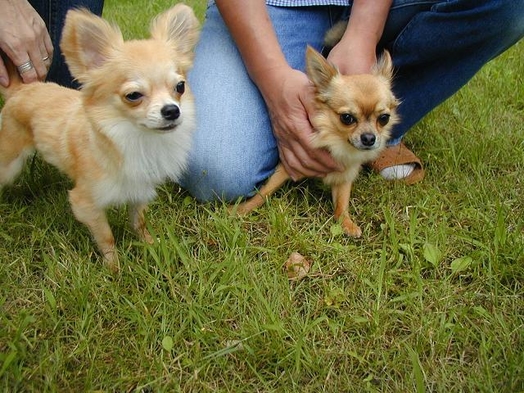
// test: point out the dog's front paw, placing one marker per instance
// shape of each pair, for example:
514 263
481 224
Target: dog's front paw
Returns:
146 236
350 228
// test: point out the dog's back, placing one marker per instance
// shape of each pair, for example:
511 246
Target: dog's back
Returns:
28 107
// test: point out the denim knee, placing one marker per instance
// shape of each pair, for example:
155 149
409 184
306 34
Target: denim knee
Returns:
208 180
449 42
508 21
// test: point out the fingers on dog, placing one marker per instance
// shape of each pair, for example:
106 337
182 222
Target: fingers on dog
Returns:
298 164
34 64
26 68
47 50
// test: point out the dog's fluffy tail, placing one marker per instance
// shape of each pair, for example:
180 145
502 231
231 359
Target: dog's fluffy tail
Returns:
15 80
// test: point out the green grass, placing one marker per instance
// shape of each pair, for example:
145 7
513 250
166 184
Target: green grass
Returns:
430 299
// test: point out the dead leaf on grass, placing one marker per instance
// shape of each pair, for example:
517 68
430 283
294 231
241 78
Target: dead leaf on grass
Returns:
297 267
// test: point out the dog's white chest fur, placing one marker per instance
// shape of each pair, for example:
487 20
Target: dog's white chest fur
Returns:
147 159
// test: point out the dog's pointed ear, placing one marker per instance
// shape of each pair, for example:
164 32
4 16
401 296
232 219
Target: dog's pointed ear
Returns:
87 41
318 69
179 27
384 66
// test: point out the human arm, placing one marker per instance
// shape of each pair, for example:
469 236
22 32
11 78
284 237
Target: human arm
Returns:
356 51
287 92
24 37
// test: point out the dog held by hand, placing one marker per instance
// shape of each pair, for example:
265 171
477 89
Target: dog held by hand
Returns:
353 121
126 131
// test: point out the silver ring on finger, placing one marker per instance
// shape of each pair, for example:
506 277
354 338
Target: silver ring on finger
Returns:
25 67
45 58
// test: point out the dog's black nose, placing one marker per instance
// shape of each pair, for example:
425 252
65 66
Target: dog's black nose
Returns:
368 139
170 112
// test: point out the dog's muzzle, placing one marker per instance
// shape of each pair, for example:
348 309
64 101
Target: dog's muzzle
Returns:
368 140
170 112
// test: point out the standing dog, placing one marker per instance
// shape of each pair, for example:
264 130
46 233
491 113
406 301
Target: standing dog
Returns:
353 120
126 131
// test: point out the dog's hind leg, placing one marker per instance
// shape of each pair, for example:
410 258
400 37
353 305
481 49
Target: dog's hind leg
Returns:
94 217
138 222
16 145
274 182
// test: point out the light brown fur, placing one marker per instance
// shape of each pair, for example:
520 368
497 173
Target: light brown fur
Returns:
126 131
368 103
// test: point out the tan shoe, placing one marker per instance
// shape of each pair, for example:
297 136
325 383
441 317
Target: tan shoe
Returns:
399 155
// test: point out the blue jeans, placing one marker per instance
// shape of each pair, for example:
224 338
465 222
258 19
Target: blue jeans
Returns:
53 13
437 47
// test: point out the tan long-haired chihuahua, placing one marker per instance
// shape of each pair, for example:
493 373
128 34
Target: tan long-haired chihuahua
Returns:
126 131
353 120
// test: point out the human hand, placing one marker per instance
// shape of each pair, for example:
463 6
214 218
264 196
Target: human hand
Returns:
355 53
290 101
353 57
24 38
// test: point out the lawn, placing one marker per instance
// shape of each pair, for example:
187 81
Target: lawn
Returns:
429 299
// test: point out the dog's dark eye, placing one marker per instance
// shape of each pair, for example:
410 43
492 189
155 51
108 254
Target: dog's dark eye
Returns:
383 119
134 96
181 87
347 119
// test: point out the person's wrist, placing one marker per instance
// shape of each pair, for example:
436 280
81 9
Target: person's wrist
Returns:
268 79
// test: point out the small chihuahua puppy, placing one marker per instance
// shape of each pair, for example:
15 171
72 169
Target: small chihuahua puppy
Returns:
353 120
126 131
